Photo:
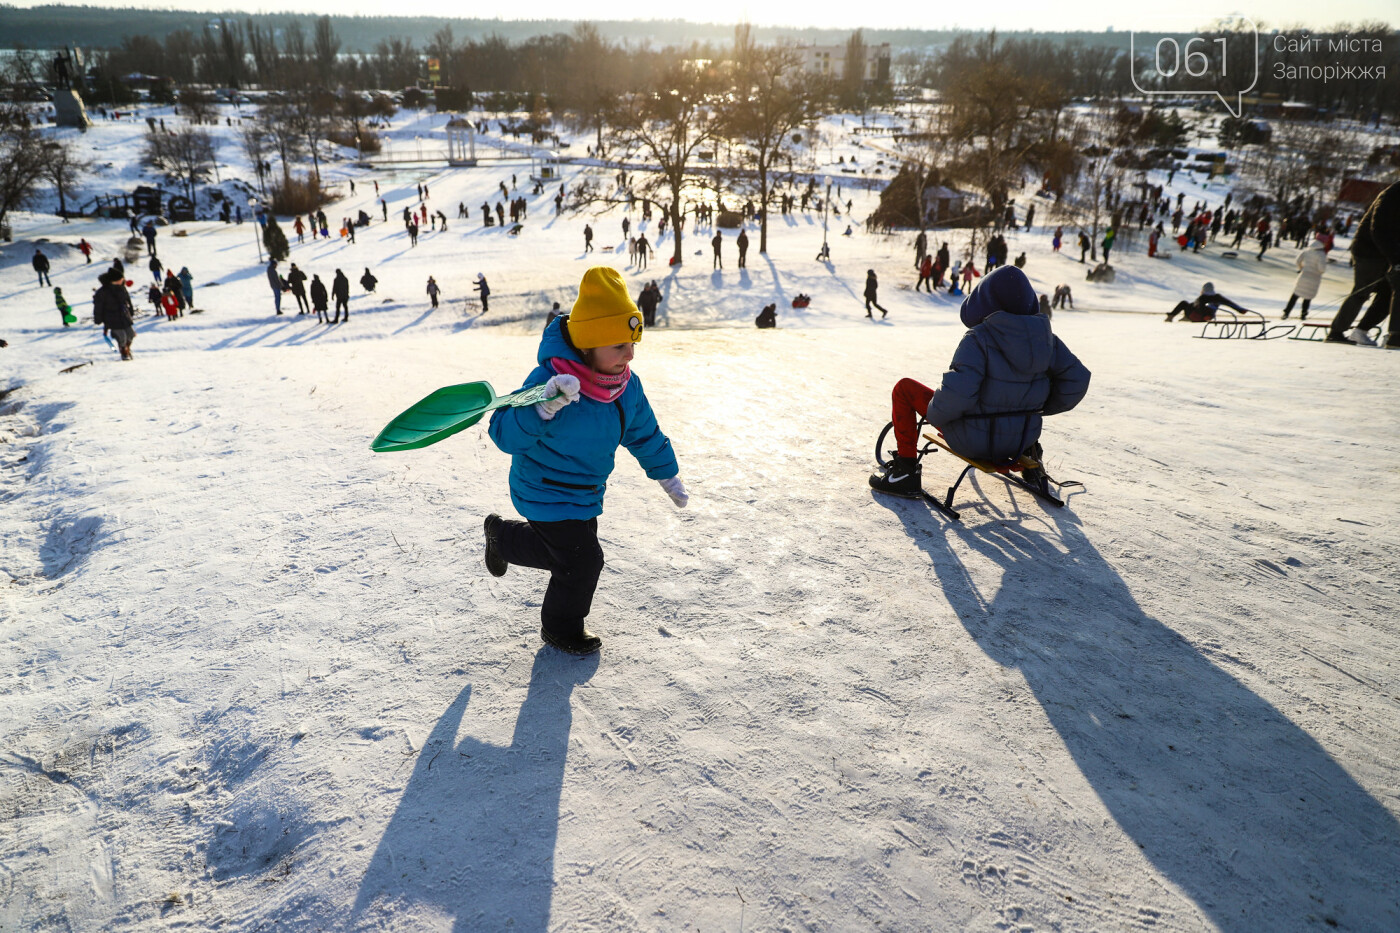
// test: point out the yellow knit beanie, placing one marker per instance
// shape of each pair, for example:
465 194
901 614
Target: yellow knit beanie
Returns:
604 314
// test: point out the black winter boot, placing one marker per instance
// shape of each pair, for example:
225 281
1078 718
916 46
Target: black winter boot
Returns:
902 476
494 561
585 642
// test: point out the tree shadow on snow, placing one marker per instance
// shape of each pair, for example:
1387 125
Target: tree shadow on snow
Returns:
1237 806
475 830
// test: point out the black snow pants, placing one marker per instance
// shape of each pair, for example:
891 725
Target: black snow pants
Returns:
569 550
1370 280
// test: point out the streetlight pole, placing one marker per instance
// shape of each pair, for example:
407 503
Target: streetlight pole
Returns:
826 211
253 209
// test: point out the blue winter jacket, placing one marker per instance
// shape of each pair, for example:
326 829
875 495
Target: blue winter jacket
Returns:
559 469
1009 362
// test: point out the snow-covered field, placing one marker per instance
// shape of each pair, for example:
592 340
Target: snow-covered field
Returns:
255 676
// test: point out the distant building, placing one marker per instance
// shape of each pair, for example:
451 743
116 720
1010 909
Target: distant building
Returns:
829 61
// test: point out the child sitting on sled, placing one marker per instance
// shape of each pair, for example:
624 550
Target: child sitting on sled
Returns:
1008 362
563 449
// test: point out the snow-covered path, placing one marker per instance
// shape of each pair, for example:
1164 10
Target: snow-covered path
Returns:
254 675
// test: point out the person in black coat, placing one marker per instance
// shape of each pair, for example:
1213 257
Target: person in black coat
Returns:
872 289
647 302
319 299
296 279
340 291
767 318
111 308
41 266
1375 249
743 243
368 281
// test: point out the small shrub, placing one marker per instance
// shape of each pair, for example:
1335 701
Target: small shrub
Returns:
297 195
345 136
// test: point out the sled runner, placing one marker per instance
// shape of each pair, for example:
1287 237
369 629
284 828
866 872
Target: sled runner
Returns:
1238 327
1317 330
1013 471
447 411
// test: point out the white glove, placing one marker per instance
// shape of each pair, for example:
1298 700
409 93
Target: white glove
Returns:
565 389
676 490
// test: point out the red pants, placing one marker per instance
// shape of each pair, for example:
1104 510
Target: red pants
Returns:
910 402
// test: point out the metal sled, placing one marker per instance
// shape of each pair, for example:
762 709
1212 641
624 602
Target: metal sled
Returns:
1316 330
1236 327
1009 470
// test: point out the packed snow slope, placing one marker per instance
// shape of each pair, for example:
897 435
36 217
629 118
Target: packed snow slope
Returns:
254 675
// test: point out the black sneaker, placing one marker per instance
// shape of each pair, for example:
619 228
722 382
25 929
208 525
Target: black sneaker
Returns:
494 561
583 643
1337 338
902 476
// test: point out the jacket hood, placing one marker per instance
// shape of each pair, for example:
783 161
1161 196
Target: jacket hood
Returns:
1024 339
1005 289
553 344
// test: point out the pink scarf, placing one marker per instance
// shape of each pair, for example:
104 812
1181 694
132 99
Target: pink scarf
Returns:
601 387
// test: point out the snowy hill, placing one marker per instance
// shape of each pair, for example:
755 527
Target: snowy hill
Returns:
255 675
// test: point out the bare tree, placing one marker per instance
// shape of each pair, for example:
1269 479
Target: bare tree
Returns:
594 79
667 128
63 167
22 159
769 103
185 155
283 135
200 106
257 146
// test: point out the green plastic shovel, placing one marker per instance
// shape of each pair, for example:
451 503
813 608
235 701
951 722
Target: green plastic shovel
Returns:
447 411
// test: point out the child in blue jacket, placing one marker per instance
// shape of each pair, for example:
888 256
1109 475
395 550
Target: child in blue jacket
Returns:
563 451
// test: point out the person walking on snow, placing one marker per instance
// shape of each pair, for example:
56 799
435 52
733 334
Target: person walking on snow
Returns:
717 243
485 291
65 312
433 291
587 238
969 272
187 286
872 289
149 232
40 262
156 267
319 300
1008 361
925 274
300 228
340 292
1375 251
296 281
563 450
275 281
743 243
111 308
1312 262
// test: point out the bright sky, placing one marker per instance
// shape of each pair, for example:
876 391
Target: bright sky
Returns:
1008 14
